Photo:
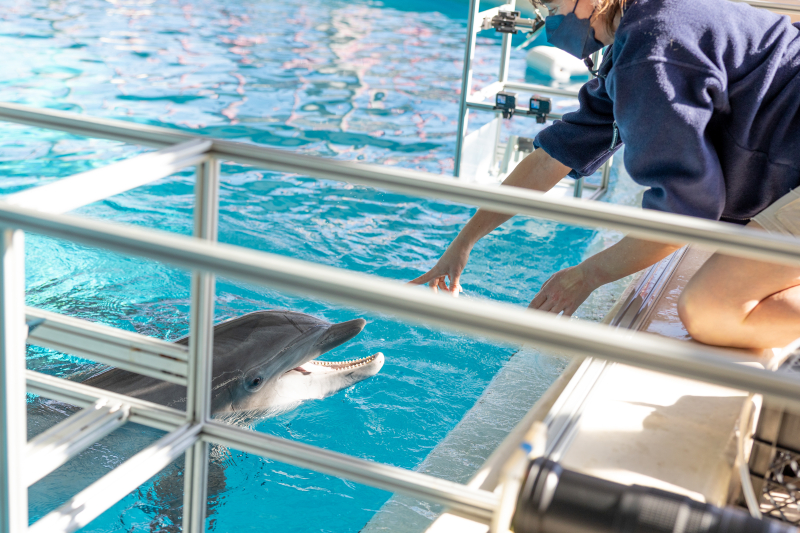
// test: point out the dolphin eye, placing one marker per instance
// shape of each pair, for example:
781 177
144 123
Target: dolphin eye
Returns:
254 381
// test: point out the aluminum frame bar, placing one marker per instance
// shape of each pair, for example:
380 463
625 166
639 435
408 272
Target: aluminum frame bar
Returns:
505 49
101 183
499 321
466 84
520 110
468 502
169 419
201 346
111 346
487 92
647 224
108 490
80 395
103 128
71 436
13 408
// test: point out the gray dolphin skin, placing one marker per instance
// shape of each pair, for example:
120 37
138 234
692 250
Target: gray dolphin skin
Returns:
263 361
264 364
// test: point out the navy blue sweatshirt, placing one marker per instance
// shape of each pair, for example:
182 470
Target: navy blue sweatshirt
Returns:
706 95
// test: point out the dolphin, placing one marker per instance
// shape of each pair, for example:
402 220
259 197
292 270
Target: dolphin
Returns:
264 363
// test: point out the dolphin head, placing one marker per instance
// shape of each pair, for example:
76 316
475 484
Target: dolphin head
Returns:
255 352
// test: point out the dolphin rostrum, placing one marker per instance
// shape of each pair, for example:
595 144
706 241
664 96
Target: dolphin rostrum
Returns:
263 363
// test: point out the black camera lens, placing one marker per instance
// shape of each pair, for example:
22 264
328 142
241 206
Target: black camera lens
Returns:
556 500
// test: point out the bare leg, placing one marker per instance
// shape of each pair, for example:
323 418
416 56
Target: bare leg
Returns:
742 303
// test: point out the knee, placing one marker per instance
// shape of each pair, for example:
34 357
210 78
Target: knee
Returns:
698 316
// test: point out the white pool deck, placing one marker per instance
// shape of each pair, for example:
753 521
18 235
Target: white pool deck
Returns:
640 427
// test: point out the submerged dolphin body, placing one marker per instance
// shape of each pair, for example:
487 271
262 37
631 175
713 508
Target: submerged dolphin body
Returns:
263 362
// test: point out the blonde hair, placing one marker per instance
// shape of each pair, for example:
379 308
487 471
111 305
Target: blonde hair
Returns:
610 10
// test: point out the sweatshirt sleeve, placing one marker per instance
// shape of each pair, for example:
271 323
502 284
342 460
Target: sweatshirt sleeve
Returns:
663 111
582 140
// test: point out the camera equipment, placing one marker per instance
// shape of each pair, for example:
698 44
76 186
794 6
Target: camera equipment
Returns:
556 500
775 456
506 22
540 106
506 102
510 21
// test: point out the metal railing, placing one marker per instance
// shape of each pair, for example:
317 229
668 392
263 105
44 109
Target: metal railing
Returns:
192 430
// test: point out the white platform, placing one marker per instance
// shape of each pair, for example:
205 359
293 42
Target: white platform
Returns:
640 427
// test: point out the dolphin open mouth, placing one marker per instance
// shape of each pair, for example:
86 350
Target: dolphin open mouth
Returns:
310 367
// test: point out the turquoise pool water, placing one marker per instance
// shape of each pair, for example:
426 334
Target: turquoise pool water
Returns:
362 80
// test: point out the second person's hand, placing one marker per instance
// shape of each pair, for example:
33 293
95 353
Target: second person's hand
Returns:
565 291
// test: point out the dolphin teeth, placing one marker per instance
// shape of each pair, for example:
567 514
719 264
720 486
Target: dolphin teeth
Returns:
346 365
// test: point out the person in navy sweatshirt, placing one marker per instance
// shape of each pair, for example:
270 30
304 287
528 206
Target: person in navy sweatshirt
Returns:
705 95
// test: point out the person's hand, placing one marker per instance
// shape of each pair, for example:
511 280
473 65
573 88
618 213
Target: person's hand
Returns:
450 265
565 291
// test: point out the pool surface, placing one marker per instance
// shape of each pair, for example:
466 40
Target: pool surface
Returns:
362 80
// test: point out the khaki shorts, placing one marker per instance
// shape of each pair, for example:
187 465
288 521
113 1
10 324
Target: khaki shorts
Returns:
783 216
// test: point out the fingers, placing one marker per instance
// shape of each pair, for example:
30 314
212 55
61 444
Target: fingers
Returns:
425 278
550 306
551 303
455 286
547 301
538 300
542 302
541 298
434 284
437 280
438 283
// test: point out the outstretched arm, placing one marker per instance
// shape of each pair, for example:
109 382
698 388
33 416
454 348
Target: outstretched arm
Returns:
538 172
567 289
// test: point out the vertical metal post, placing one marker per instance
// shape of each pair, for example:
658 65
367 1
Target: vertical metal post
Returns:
606 172
201 349
502 77
578 188
505 54
13 412
466 84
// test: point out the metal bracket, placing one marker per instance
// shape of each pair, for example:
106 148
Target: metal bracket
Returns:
509 21
70 437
